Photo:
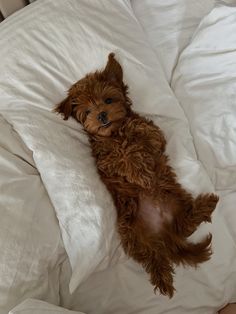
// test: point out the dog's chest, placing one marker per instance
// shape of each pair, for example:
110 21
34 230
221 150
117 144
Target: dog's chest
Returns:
113 154
114 149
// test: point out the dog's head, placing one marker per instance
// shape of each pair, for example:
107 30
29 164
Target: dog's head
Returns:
98 101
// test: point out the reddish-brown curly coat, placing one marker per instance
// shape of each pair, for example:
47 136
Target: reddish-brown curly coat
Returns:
155 214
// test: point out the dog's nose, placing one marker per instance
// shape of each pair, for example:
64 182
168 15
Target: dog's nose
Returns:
102 117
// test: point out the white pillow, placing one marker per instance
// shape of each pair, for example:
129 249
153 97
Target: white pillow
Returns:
205 84
53 44
30 241
169 25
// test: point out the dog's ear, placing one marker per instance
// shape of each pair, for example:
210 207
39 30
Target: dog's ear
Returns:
113 70
65 107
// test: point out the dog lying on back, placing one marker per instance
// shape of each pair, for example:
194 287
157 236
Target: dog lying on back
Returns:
155 214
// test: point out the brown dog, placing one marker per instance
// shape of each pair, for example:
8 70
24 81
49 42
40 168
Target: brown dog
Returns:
155 214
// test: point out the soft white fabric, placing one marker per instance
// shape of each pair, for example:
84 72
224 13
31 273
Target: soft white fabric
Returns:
49 53
46 48
205 83
30 241
169 25
31 306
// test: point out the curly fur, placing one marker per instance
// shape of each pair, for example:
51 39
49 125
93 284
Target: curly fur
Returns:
155 214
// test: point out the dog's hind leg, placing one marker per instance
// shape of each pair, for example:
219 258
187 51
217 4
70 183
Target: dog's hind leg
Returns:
151 254
187 213
157 219
191 214
145 247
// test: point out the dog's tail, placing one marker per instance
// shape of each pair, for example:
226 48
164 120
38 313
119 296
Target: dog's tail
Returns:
181 251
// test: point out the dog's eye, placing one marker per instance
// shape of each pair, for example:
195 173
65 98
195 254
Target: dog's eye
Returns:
108 101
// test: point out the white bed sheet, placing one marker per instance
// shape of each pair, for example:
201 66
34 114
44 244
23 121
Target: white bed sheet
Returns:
40 64
33 306
205 84
170 25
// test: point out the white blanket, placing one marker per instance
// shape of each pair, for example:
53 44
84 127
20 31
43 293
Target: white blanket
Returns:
45 49
39 307
170 25
205 84
30 240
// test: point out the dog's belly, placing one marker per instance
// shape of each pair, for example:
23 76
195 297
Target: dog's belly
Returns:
154 214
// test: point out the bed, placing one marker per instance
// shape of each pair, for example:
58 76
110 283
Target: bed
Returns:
60 252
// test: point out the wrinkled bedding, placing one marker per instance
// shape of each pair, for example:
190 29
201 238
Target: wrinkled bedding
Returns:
33 306
59 220
170 25
205 84
30 240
